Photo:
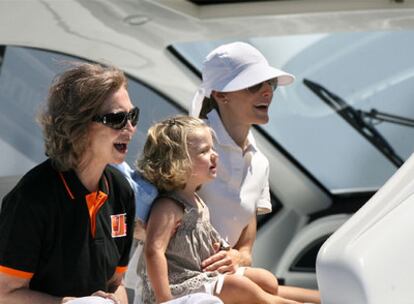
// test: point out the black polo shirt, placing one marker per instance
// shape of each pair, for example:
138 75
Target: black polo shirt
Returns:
66 240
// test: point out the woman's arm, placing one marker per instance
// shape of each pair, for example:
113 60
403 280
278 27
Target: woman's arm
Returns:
245 243
16 290
227 261
116 285
162 224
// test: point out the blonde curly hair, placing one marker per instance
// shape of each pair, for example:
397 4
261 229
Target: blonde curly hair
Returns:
165 160
75 97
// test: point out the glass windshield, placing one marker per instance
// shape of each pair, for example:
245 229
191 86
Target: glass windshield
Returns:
367 70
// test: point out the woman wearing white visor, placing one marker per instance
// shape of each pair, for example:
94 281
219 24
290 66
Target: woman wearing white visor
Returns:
236 91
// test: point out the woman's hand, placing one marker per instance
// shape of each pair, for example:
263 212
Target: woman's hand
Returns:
106 295
67 299
99 293
224 261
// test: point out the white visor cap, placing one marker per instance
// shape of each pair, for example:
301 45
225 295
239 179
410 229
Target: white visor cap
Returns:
233 67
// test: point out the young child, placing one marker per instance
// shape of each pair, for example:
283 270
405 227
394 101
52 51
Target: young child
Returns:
178 158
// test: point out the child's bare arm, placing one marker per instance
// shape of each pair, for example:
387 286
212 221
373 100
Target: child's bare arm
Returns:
162 224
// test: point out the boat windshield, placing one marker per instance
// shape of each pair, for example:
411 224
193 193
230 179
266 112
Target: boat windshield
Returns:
370 72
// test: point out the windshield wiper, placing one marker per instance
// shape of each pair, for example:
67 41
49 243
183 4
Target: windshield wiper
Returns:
362 121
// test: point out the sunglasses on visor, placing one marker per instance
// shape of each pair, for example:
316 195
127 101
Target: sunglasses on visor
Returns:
257 87
118 120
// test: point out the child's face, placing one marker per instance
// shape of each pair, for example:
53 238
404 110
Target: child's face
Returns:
203 156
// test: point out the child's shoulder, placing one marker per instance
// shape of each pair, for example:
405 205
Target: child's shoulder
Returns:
166 209
168 201
173 197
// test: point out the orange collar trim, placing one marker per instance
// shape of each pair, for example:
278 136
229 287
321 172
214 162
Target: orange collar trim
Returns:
66 186
70 192
94 201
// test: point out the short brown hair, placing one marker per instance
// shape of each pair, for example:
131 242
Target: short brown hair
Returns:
165 161
209 103
75 97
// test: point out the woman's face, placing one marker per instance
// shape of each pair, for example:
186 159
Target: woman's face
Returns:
108 145
250 107
203 156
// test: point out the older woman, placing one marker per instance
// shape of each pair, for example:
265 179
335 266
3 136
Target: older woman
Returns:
66 228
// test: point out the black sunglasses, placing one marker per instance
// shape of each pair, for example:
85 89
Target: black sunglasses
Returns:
257 87
118 120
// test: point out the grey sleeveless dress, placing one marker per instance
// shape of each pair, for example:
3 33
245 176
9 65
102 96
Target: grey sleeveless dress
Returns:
190 245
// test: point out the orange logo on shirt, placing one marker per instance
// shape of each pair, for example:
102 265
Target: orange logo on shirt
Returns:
118 224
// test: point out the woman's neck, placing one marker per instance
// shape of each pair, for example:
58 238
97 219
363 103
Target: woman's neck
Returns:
237 130
90 176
